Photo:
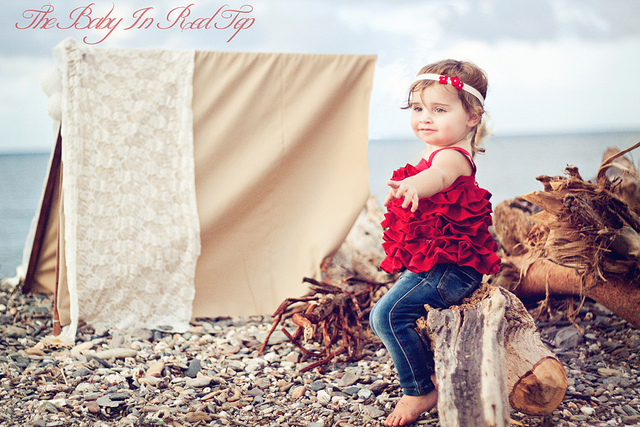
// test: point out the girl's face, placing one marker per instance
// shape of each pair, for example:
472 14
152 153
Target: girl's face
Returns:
438 117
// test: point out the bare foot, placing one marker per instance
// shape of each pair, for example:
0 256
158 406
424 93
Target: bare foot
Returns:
409 408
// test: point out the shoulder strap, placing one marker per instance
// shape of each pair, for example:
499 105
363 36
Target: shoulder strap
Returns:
461 150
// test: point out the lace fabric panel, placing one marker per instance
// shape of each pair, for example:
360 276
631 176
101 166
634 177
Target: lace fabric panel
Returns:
131 229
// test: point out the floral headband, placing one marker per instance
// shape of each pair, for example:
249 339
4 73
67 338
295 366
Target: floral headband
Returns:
454 81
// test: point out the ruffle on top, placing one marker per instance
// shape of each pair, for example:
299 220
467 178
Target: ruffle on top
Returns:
449 227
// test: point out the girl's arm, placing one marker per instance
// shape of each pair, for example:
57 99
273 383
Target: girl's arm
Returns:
445 168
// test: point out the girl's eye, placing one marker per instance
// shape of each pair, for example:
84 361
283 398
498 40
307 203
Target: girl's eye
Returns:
417 108
439 110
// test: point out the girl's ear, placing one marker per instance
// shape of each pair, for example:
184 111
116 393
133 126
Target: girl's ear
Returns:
473 120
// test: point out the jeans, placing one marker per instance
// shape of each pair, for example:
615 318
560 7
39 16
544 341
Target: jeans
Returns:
393 318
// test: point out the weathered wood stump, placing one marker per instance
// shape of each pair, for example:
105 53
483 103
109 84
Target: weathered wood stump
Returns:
488 355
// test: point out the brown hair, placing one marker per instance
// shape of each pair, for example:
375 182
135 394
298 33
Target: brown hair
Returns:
468 73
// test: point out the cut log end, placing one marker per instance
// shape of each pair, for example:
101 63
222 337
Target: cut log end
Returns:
541 390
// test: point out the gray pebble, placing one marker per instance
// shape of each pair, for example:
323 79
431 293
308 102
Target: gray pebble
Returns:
13 331
347 379
629 410
194 368
365 393
107 402
317 385
373 411
81 372
198 382
378 386
568 338
351 390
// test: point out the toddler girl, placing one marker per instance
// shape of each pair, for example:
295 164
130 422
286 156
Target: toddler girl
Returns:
437 225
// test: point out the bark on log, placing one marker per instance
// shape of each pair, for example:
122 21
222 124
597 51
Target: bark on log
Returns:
621 170
537 278
536 379
488 355
469 364
512 224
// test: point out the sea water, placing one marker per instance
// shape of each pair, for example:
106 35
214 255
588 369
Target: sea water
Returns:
507 169
21 182
510 164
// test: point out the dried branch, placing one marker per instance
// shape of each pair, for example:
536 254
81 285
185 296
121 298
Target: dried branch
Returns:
334 315
331 317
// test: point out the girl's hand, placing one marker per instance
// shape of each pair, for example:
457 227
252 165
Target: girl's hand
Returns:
403 189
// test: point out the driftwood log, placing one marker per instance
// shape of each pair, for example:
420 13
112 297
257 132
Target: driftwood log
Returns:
576 238
488 356
535 278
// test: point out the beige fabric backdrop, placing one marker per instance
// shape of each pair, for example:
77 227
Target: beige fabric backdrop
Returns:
280 142
280 147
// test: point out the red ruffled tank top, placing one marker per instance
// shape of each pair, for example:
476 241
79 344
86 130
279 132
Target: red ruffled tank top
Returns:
451 226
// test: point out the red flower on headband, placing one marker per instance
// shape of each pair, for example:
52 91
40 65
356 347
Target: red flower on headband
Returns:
455 82
443 80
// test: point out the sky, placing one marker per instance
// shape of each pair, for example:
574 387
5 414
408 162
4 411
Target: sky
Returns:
554 66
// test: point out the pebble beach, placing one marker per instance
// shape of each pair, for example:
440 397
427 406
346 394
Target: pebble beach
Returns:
214 375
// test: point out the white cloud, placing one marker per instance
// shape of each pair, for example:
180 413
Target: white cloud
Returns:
405 18
570 17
